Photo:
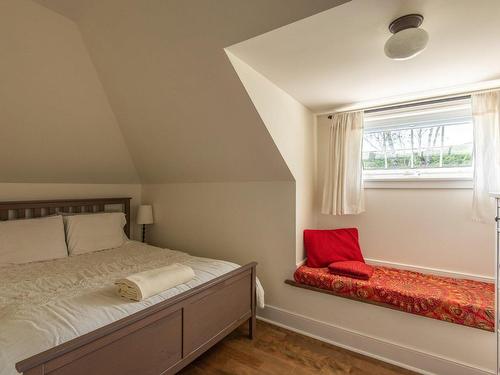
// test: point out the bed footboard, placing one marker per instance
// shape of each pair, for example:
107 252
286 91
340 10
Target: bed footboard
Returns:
161 339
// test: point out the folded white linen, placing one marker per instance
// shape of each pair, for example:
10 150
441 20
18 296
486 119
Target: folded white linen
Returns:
145 284
260 294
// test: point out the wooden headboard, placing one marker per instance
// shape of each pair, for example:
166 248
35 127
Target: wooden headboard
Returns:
33 209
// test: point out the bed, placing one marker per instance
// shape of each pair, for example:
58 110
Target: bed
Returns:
63 316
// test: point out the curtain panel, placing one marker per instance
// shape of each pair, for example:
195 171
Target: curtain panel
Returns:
486 118
343 192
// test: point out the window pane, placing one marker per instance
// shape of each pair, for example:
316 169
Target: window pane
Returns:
457 135
438 137
399 140
373 160
425 138
374 142
399 160
427 158
457 156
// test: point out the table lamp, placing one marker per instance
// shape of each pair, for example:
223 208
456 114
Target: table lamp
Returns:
144 217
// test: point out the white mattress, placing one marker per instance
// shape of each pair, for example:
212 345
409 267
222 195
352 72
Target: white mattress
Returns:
44 304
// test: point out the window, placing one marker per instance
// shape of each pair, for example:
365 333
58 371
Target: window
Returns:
433 141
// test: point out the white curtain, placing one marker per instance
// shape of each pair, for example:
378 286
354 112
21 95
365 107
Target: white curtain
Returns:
343 192
486 117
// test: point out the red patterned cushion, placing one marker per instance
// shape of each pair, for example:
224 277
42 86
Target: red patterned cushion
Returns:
467 302
333 245
352 268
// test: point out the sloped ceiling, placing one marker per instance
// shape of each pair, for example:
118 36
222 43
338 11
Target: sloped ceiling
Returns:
184 113
337 58
56 124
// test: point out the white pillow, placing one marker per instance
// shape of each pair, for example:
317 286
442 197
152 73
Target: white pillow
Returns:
94 232
31 240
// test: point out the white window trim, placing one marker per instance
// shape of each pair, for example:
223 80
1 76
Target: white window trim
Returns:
419 179
414 185
432 178
420 182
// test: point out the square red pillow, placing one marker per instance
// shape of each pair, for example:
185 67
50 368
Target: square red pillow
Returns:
354 269
333 245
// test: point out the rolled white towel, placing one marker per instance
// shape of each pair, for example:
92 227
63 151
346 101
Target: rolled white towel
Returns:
148 283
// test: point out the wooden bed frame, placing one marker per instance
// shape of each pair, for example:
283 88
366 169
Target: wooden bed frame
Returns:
161 339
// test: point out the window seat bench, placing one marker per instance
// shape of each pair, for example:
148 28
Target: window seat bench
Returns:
467 302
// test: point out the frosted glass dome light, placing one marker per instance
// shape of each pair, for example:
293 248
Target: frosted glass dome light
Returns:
408 40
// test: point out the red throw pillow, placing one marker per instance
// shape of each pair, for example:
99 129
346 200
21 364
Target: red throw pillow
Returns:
355 269
333 245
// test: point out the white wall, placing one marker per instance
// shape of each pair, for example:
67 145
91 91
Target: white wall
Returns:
239 222
257 221
53 109
59 136
26 191
420 227
242 222
291 125
427 228
183 111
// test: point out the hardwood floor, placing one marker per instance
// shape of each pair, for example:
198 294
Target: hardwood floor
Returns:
279 351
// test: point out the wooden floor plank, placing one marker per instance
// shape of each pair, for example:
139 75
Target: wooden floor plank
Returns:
278 351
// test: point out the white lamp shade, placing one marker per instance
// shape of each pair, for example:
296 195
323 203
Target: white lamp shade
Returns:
406 44
145 214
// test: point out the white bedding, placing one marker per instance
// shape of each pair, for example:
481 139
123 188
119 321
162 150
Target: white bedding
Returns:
44 304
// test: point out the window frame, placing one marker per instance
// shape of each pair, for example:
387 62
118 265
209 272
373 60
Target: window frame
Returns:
427 176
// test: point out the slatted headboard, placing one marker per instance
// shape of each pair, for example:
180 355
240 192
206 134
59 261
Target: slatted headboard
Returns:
33 209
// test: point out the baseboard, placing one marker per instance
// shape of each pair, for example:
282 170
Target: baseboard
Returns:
399 355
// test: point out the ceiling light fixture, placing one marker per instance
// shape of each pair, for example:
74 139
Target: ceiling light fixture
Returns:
408 40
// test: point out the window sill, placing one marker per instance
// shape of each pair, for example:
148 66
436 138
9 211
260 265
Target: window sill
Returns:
412 182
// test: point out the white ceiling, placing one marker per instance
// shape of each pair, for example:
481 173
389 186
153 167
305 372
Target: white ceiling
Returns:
336 58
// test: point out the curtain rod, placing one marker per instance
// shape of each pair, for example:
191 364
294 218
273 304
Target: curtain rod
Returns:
414 103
